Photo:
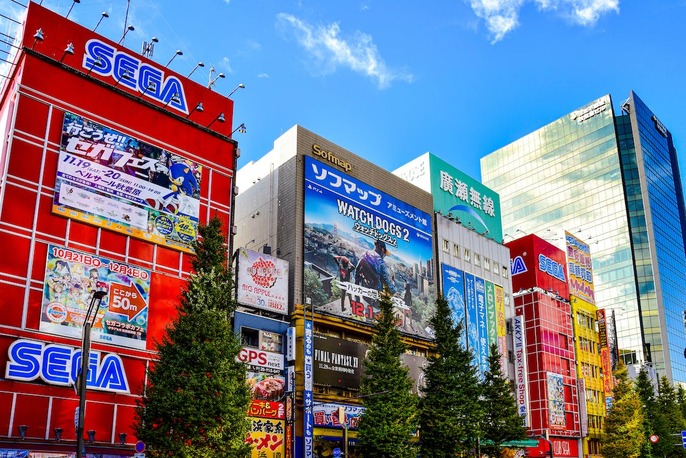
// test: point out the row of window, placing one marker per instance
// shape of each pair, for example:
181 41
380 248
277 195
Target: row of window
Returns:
466 254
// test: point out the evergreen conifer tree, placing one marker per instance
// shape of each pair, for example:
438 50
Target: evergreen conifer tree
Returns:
450 411
196 398
651 414
672 419
501 420
390 417
624 434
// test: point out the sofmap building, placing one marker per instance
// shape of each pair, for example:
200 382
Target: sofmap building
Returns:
612 179
106 170
347 229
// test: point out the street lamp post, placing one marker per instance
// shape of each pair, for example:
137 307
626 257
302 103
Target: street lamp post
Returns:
88 322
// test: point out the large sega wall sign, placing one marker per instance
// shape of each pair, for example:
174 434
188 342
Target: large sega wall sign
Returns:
127 70
56 364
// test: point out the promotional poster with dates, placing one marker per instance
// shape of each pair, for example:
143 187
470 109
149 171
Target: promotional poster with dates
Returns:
71 277
358 240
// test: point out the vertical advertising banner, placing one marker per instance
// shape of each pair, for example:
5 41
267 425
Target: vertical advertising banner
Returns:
71 277
267 437
502 326
308 400
262 281
556 400
480 287
116 182
491 314
605 356
579 269
521 378
453 291
472 318
326 415
358 241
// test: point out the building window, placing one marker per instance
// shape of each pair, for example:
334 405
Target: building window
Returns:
271 341
467 255
487 264
496 268
477 259
504 270
250 337
456 250
446 246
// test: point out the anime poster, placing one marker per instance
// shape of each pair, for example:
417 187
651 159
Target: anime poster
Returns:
358 241
480 287
119 183
453 291
472 329
267 438
71 277
556 400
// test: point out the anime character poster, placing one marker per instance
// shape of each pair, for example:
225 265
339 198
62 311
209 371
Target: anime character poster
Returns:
117 182
556 400
453 291
71 277
358 241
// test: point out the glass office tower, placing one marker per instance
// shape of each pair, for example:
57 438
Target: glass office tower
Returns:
612 180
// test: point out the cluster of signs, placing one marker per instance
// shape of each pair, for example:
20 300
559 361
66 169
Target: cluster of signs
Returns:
480 306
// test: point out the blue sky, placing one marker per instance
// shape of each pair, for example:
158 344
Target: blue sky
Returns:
390 80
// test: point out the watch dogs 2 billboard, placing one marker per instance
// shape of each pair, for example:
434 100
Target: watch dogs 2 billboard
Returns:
358 241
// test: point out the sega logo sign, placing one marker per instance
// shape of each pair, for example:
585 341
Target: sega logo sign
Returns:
106 60
58 365
552 268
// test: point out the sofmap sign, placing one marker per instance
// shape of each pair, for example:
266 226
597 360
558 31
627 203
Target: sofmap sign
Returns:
54 364
346 221
116 182
127 70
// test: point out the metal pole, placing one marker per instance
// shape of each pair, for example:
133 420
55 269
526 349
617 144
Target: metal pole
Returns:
88 322
345 439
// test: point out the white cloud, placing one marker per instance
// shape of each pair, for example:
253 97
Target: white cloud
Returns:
502 16
263 75
226 64
356 52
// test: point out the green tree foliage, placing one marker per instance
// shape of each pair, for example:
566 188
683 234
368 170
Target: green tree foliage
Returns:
450 412
196 397
315 289
681 399
672 419
390 417
501 419
624 434
651 414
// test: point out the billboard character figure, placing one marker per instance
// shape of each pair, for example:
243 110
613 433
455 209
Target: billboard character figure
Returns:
372 271
345 270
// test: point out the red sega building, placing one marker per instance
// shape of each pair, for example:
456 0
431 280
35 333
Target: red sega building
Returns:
547 387
108 165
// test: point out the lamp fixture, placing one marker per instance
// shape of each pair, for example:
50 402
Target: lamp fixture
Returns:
219 118
99 63
178 53
212 81
151 87
149 47
38 36
103 15
240 86
58 434
91 435
130 28
126 74
74 2
199 64
68 50
122 438
22 431
174 98
240 129
198 108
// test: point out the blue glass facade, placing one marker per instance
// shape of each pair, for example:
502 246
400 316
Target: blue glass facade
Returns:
613 181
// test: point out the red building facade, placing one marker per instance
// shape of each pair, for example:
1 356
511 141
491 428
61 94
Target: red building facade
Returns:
108 163
543 313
